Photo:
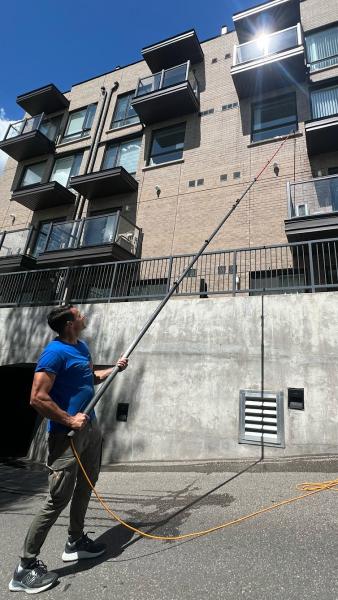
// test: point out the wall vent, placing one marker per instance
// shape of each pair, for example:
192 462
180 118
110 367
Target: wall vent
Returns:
261 420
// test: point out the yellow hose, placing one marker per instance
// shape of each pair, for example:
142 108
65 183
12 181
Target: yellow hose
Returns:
312 488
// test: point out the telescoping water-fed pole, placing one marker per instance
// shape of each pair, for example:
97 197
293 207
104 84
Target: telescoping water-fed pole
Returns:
174 287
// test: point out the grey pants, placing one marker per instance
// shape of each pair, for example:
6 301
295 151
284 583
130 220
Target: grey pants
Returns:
66 483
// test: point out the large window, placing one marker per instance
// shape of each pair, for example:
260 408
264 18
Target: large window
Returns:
125 154
80 122
167 144
66 167
322 48
33 174
274 117
124 113
324 102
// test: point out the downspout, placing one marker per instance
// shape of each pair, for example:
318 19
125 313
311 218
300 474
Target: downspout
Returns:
78 210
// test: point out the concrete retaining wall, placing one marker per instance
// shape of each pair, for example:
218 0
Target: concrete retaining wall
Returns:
184 379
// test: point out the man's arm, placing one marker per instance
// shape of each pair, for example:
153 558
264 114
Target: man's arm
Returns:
102 374
46 407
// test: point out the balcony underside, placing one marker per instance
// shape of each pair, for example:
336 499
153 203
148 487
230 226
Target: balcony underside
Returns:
262 75
92 254
322 135
27 145
46 195
313 227
167 103
173 51
273 16
47 99
16 262
104 183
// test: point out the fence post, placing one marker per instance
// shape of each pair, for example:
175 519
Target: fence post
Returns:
312 273
170 268
234 274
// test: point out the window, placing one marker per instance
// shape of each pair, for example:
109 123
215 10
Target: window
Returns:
124 113
167 144
66 167
42 235
80 122
125 154
322 48
324 102
33 174
274 117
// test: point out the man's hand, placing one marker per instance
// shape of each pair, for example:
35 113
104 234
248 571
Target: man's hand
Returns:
122 363
79 421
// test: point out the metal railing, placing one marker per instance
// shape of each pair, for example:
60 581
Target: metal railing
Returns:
37 123
266 45
93 231
313 197
14 242
167 78
284 268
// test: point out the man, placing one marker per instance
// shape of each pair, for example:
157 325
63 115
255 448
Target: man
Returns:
62 387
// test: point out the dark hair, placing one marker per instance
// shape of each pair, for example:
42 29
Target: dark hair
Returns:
58 317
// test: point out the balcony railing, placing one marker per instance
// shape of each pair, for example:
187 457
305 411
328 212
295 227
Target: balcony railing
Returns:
93 231
14 242
38 123
267 45
167 78
313 197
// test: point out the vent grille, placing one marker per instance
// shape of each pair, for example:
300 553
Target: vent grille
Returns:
261 419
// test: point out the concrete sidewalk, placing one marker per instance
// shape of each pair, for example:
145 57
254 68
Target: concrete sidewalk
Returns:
287 554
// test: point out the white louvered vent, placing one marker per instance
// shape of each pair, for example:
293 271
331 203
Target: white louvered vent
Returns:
261 420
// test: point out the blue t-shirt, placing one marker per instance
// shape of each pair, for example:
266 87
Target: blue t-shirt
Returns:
73 387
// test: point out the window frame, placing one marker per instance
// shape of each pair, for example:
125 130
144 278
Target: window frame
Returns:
62 156
263 129
307 35
22 175
119 144
124 122
156 131
85 130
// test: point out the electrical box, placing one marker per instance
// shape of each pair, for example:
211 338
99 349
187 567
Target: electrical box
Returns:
296 398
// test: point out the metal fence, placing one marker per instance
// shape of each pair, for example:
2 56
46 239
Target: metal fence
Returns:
286 268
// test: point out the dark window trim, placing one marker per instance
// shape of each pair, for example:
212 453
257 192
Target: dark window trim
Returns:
22 174
84 132
274 98
118 142
125 124
155 131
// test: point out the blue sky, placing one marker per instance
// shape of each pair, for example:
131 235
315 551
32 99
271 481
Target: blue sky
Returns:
66 41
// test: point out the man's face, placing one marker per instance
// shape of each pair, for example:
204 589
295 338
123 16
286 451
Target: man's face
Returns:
80 321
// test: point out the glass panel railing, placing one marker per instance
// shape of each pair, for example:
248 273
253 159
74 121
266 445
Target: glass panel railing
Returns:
14 242
49 127
127 236
167 78
265 45
313 197
63 236
99 230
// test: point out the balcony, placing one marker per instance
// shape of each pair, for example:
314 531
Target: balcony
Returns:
173 51
14 253
30 137
312 209
90 240
322 130
43 195
47 99
274 15
269 62
104 183
168 94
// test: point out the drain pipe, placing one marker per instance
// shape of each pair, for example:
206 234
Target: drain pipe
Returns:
96 139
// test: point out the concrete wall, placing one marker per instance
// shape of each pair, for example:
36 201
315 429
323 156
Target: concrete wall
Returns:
184 379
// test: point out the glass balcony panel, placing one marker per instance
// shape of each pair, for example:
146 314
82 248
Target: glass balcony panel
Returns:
31 124
174 76
15 129
49 127
63 235
149 84
99 230
313 197
266 45
167 78
14 242
127 235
